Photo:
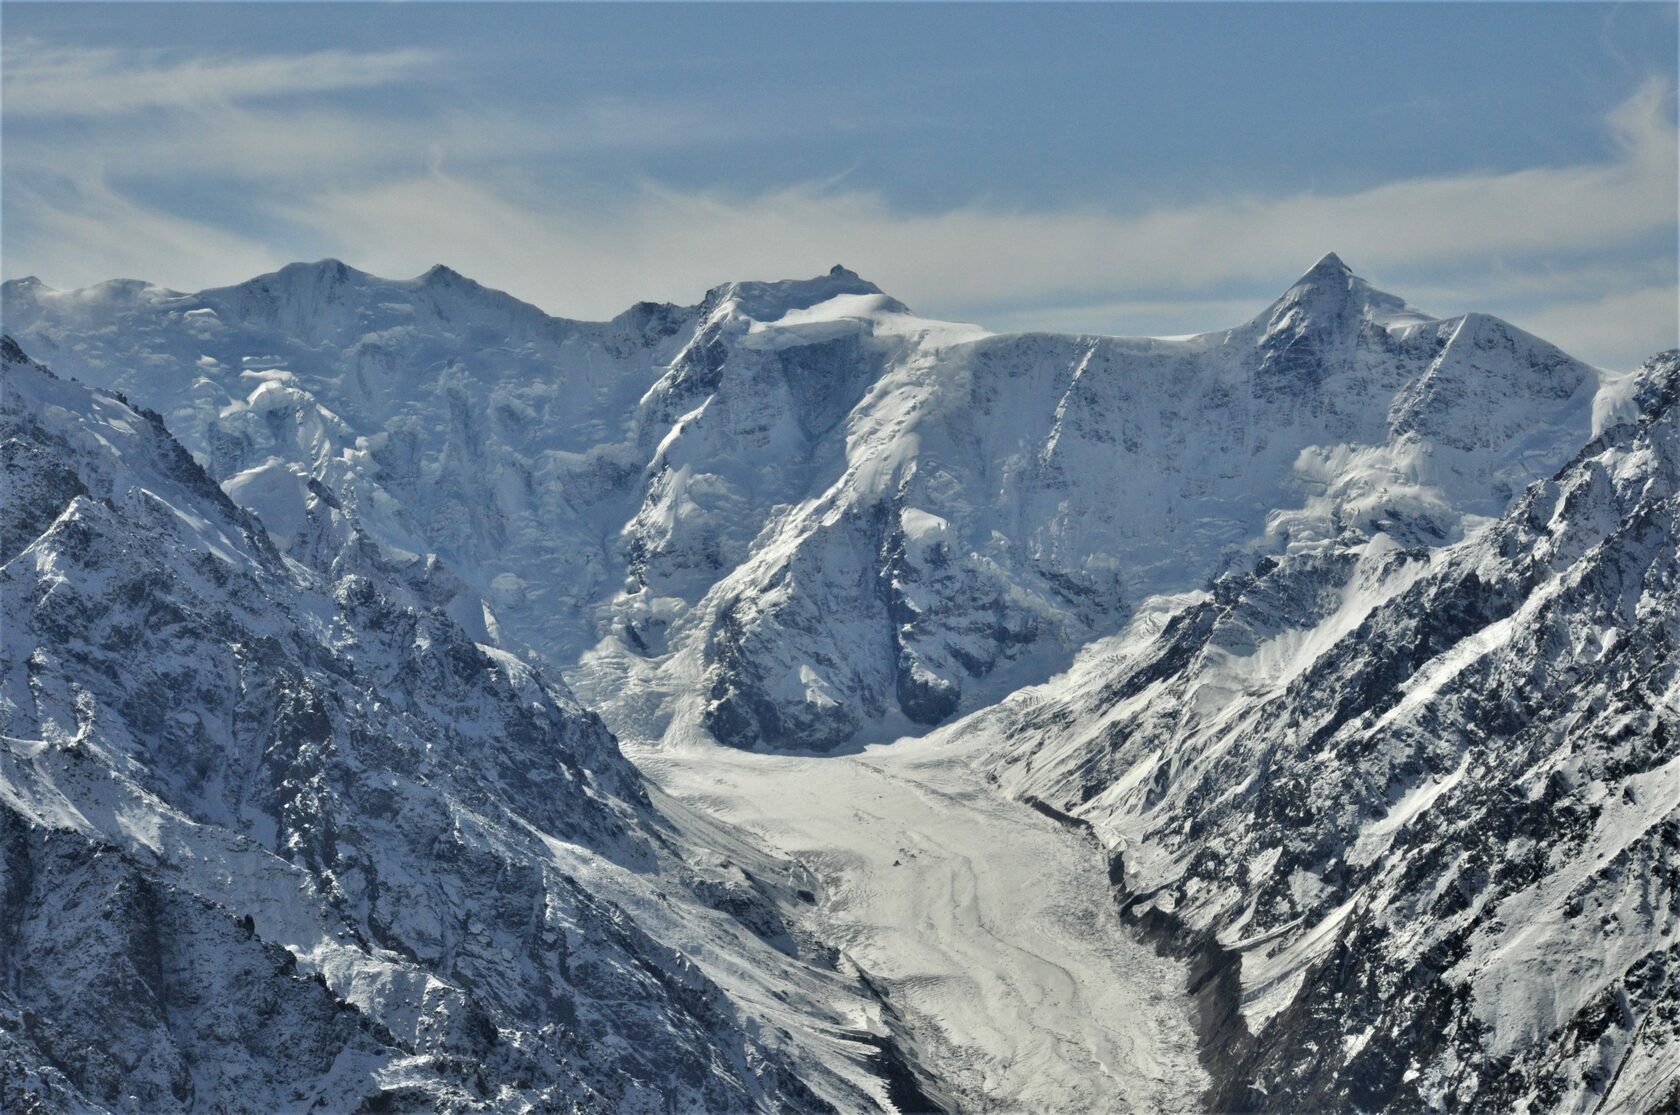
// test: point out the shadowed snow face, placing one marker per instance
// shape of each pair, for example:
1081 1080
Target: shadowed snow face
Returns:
798 500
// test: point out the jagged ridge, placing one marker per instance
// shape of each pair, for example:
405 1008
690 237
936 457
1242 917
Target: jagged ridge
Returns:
1420 804
274 838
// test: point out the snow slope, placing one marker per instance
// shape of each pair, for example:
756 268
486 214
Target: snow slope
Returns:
275 840
834 517
1418 808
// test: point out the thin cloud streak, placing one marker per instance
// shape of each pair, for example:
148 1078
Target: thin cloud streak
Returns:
46 80
1634 324
672 245
101 232
397 194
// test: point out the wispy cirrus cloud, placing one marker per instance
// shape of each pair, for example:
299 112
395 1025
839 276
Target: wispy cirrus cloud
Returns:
1632 324
216 180
47 80
1058 268
87 228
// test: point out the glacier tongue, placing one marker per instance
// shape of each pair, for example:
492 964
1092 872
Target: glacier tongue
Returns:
986 927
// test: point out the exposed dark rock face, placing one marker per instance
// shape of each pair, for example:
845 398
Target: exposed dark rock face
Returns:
1416 814
271 837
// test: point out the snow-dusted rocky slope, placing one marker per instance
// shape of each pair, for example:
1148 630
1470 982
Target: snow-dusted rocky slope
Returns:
277 836
1384 744
1415 811
819 513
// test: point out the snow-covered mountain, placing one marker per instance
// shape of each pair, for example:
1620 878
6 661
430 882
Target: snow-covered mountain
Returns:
1357 665
277 836
1415 811
796 513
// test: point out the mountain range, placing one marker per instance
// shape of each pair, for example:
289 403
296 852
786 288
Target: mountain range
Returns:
333 605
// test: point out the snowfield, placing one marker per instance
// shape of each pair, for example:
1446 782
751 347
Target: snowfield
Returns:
985 924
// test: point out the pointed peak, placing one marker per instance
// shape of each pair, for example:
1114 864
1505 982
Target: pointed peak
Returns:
1328 290
840 271
1330 293
1328 276
441 275
1330 264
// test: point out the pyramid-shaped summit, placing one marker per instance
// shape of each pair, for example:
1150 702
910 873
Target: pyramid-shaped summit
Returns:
1331 295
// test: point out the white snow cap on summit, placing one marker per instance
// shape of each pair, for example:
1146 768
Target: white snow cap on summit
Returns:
772 301
1328 291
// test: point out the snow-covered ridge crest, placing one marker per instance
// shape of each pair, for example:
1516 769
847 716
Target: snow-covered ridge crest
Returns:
684 500
773 301
1330 290
1117 461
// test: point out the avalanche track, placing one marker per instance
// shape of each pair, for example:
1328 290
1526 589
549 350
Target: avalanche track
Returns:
989 928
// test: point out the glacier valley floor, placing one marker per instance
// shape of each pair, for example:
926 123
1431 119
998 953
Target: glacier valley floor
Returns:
988 927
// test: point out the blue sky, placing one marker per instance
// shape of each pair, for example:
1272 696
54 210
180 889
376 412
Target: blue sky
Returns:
1145 168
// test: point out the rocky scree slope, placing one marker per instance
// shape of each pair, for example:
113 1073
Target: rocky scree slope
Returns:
795 514
1415 810
275 839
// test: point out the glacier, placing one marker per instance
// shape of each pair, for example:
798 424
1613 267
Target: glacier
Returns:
1275 718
